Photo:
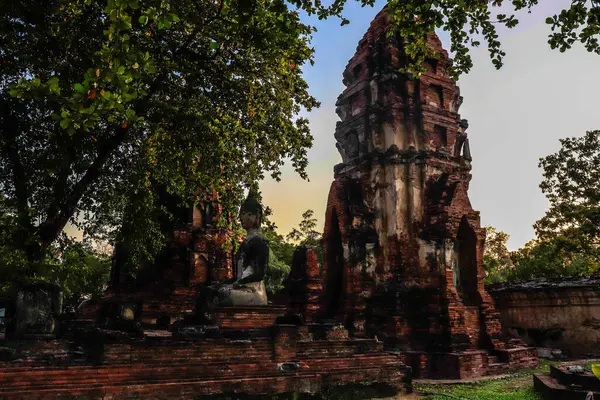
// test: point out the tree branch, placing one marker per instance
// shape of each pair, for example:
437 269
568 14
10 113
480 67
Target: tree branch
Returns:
62 209
9 128
62 180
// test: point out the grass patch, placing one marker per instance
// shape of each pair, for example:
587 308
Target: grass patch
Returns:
517 386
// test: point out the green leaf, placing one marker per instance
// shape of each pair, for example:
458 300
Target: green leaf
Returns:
143 19
79 87
130 114
549 20
52 82
214 45
64 123
149 67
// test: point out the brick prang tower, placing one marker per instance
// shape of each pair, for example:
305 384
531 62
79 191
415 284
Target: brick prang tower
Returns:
403 247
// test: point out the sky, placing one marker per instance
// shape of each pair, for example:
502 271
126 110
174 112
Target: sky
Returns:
516 115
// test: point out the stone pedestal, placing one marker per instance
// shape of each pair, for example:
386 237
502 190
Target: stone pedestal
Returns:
38 307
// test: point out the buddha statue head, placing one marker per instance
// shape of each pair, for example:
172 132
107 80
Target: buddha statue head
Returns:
251 213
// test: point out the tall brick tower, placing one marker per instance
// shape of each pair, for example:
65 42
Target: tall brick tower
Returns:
402 244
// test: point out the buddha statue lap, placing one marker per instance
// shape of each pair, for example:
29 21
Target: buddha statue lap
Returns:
251 260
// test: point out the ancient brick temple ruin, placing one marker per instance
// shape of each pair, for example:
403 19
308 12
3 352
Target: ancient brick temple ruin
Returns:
138 343
401 284
402 244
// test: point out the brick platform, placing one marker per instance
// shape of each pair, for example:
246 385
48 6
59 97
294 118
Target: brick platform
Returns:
469 364
267 361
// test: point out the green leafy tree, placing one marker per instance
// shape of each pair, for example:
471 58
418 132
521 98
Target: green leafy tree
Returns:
570 183
549 258
103 101
496 256
471 22
280 255
568 236
276 273
281 248
80 270
306 234
76 266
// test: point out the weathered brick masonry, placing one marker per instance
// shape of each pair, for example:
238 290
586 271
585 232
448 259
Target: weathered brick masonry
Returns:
402 244
557 313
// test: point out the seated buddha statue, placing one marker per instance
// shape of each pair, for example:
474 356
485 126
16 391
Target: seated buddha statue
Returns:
247 286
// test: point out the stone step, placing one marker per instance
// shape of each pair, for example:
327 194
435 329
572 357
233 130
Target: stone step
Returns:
551 389
586 380
39 376
119 379
82 322
102 380
106 378
497 368
167 351
174 389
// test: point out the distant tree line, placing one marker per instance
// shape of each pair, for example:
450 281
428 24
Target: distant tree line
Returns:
568 236
282 247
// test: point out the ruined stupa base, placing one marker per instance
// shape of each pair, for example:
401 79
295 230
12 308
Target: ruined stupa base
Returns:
469 364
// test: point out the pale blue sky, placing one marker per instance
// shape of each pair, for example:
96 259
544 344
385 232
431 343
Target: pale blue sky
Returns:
516 116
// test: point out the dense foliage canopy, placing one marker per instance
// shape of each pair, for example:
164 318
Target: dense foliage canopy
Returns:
496 256
571 178
282 247
103 101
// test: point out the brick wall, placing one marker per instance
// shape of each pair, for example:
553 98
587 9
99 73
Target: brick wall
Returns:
562 314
